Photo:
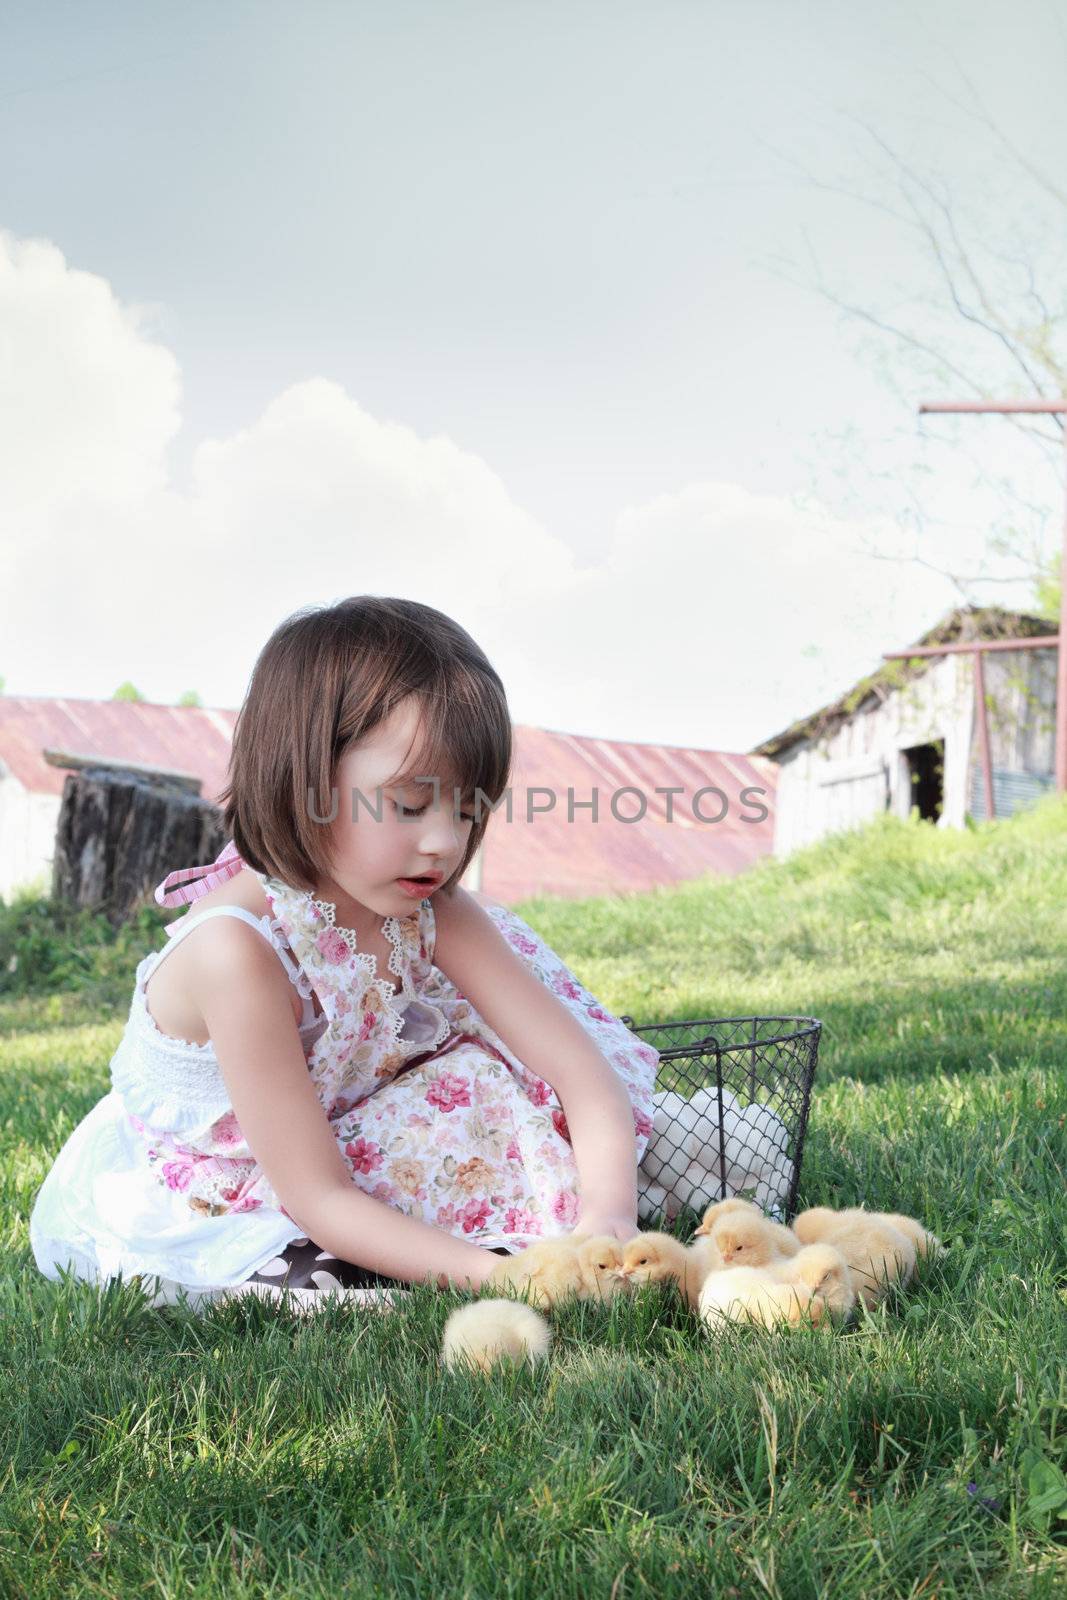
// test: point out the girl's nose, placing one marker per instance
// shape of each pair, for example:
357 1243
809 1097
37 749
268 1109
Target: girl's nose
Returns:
440 832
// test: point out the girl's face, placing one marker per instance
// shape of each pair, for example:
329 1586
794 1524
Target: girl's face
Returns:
415 835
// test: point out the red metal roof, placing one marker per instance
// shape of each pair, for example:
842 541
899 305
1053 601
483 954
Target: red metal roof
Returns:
175 738
547 854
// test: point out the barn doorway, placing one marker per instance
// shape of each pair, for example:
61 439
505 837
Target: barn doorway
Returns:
926 776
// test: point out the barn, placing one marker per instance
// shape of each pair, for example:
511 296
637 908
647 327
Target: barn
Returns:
587 816
909 735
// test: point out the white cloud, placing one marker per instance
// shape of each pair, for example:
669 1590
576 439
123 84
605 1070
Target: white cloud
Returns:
88 403
697 627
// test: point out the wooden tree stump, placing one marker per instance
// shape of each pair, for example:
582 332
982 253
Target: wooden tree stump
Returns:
120 832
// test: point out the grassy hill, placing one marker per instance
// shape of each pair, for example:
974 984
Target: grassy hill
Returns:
918 1453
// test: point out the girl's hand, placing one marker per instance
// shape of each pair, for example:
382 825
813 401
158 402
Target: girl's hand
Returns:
616 1224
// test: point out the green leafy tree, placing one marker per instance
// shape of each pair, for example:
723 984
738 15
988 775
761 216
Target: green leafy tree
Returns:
127 691
190 698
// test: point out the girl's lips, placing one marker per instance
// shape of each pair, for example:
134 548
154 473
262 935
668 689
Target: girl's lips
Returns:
420 886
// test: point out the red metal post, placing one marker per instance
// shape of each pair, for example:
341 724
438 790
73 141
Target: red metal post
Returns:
1051 408
1035 641
1061 672
982 712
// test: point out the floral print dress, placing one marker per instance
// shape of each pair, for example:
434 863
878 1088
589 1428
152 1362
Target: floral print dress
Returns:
433 1113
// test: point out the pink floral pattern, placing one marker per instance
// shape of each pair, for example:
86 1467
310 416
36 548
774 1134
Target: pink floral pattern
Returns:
446 1125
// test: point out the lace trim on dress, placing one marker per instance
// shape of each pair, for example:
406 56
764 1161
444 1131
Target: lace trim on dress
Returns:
394 1003
328 910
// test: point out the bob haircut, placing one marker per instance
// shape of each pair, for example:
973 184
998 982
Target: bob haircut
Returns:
325 679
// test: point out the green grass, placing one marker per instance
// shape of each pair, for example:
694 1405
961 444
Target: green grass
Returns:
249 1452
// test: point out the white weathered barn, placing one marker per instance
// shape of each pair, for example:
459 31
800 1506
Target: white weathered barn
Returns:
908 736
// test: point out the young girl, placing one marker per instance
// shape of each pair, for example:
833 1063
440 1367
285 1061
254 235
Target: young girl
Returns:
344 1069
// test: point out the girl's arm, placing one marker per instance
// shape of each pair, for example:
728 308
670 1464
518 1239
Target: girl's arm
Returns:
547 1038
243 993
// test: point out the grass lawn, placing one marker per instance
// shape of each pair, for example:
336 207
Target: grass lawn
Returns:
920 1452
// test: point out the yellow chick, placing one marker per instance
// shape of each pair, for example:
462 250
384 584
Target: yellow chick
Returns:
549 1269
660 1258
722 1208
925 1242
600 1267
653 1258
751 1294
824 1270
749 1239
810 1225
702 1257
878 1253
488 1333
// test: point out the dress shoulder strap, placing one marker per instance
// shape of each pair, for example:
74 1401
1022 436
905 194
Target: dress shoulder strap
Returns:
179 930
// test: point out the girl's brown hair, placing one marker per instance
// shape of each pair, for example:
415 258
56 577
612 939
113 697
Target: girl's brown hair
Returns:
327 676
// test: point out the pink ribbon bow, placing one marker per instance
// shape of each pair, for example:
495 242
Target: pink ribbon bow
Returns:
199 880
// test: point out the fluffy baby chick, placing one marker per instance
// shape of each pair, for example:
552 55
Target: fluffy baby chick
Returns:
723 1208
749 1239
812 1225
660 1258
702 1257
751 1294
600 1267
654 1258
823 1270
925 1242
487 1333
878 1253
549 1268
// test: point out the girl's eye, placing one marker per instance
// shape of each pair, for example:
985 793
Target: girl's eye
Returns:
418 811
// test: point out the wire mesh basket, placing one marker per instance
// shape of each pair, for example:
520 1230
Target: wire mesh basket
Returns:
731 1111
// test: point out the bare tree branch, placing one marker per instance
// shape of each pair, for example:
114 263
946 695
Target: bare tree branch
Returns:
982 115
1025 327
992 322
834 188
912 342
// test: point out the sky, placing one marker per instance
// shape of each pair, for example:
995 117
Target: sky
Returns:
524 311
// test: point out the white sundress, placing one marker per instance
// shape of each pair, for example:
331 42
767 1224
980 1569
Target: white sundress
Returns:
433 1113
